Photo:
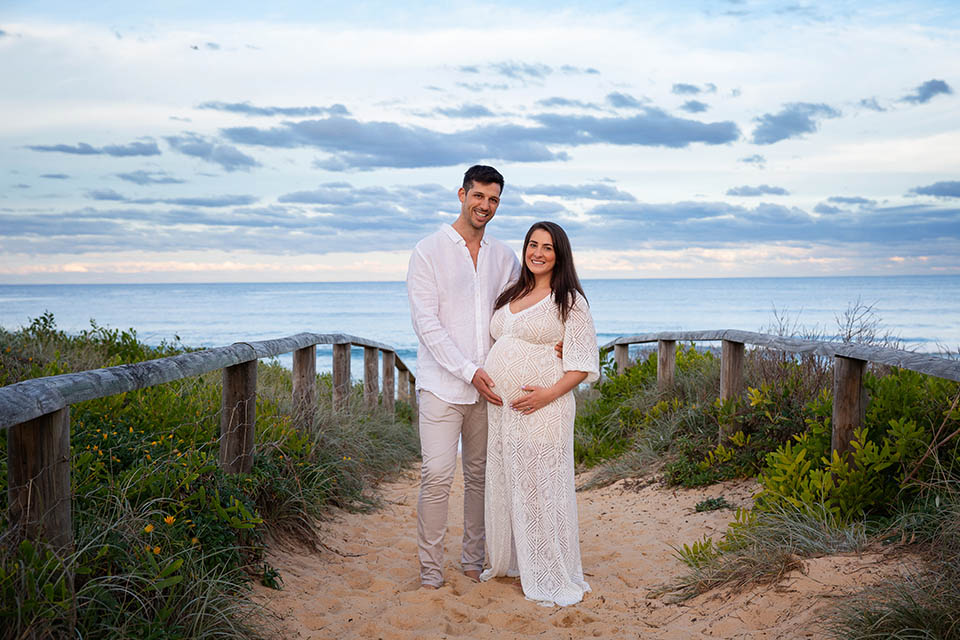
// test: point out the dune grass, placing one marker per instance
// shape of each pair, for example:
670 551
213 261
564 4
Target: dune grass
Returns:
899 490
166 544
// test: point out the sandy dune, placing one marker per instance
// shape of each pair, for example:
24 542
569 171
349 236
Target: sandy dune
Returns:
369 588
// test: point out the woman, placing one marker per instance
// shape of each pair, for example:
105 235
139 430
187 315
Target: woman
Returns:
531 506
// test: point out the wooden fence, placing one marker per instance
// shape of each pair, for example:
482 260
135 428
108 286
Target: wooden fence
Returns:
37 412
849 363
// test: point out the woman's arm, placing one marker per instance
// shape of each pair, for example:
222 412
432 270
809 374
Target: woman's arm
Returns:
539 397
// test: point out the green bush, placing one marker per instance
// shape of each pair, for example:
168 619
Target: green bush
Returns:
627 407
905 410
165 542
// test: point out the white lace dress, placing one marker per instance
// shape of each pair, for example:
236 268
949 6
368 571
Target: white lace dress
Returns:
531 505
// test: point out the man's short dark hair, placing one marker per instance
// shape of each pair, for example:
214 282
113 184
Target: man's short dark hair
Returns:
483 174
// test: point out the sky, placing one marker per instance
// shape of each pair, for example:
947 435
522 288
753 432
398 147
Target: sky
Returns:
318 141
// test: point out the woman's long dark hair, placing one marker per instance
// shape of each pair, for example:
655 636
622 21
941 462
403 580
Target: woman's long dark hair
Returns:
563 280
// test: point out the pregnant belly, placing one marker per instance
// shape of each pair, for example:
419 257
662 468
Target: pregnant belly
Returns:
513 363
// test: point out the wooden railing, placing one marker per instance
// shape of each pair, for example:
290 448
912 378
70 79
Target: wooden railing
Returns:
849 363
37 412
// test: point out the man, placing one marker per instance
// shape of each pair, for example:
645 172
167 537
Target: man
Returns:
454 277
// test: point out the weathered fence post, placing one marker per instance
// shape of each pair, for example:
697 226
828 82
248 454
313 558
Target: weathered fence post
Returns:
341 376
38 477
403 386
731 378
666 362
731 370
389 386
412 394
238 417
371 379
304 386
621 356
849 402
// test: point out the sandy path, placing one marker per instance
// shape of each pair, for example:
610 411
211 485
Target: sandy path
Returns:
625 529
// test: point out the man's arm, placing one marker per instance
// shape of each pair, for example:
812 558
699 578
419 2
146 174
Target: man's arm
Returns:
422 291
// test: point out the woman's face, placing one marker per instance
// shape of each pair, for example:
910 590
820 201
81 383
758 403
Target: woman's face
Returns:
538 255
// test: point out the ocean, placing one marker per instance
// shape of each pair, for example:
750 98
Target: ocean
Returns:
923 311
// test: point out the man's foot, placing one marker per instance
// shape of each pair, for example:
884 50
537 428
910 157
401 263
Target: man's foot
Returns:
429 586
473 574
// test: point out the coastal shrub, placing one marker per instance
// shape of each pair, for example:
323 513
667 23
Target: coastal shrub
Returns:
626 423
165 542
905 411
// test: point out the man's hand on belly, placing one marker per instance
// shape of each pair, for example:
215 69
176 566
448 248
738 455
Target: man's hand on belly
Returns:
484 384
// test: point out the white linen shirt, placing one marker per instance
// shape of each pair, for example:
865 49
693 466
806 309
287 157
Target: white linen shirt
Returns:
451 304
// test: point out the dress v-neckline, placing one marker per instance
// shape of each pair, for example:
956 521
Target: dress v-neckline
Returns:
516 313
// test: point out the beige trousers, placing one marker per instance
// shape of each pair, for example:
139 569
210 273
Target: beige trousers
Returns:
442 425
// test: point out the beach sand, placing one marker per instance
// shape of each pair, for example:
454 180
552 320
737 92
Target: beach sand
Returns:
365 584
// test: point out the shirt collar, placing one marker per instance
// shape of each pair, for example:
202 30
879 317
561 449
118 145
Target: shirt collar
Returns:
457 238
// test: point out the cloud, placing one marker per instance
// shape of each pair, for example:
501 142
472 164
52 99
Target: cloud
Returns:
105 194
199 201
761 190
465 111
228 157
133 149
756 159
472 68
367 145
3 33
21 185
872 104
926 91
586 191
338 214
623 101
484 86
682 88
863 202
653 127
718 223
213 46
945 189
794 120
83 149
55 176
590 71
251 110
566 102
522 70
694 106
142 177
827 209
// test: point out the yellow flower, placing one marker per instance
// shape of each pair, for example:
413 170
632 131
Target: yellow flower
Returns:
148 528
131 429
156 550
195 540
148 548
104 436
148 457
170 519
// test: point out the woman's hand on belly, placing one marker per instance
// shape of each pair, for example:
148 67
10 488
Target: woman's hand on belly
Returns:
535 398
538 397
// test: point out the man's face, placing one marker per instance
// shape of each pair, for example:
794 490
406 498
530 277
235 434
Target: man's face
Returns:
479 204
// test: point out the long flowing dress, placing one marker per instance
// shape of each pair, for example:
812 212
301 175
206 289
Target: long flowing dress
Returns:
531 506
